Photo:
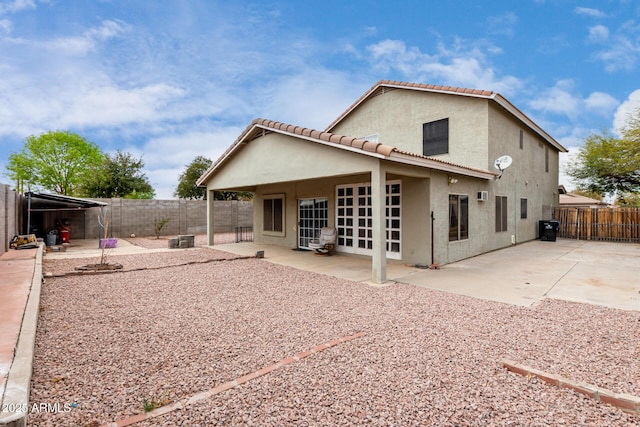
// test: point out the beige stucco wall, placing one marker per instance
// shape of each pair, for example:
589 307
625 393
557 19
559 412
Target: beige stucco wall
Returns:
397 117
526 177
277 158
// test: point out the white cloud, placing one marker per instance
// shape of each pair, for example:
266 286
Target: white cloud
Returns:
601 103
462 64
166 157
622 46
504 24
558 100
311 98
16 6
80 45
6 26
598 33
562 99
629 108
587 11
112 106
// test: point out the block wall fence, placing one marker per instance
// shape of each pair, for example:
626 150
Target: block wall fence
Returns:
10 213
123 216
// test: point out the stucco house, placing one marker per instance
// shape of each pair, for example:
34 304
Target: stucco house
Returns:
406 173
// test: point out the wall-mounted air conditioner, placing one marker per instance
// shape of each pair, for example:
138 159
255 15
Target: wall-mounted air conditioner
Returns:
483 196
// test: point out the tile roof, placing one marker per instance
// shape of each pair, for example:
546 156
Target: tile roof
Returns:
260 127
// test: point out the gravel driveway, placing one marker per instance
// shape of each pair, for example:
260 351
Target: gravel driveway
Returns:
108 342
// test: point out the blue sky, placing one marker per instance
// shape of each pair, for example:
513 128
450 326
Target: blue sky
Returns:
172 79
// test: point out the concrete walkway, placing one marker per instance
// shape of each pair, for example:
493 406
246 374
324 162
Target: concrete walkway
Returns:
20 281
589 272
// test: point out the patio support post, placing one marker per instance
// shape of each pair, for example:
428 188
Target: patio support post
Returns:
210 232
378 205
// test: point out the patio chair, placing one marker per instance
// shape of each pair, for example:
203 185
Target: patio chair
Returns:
327 241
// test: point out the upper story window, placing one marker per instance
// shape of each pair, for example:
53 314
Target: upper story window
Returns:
546 159
521 139
435 137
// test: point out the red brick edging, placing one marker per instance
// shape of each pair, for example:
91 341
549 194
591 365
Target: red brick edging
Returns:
231 384
627 402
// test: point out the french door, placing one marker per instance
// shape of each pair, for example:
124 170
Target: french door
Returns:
313 215
355 222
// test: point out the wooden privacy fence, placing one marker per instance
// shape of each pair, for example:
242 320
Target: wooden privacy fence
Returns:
609 224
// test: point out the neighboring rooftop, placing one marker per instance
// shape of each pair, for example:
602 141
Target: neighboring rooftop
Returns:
578 201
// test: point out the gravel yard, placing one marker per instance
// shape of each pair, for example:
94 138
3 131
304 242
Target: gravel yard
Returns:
107 342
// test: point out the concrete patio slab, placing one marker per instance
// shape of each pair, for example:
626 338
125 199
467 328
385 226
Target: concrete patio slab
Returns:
90 248
350 267
581 271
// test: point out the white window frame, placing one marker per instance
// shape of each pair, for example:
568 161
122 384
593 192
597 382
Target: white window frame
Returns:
393 232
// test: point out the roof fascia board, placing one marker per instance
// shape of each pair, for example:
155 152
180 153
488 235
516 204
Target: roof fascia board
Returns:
442 167
64 199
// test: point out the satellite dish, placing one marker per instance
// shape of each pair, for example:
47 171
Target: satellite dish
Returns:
502 163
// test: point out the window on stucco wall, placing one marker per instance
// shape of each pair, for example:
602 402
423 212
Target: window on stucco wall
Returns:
501 213
458 217
546 159
273 214
435 137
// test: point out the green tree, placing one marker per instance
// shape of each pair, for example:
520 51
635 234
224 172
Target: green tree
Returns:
232 195
119 175
187 188
628 200
608 165
58 161
587 193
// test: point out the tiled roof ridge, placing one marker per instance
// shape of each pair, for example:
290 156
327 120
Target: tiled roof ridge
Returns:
349 141
408 85
454 89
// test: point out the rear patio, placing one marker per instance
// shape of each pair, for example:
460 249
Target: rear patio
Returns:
573 270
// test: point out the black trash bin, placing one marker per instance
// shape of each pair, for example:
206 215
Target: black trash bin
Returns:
548 229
